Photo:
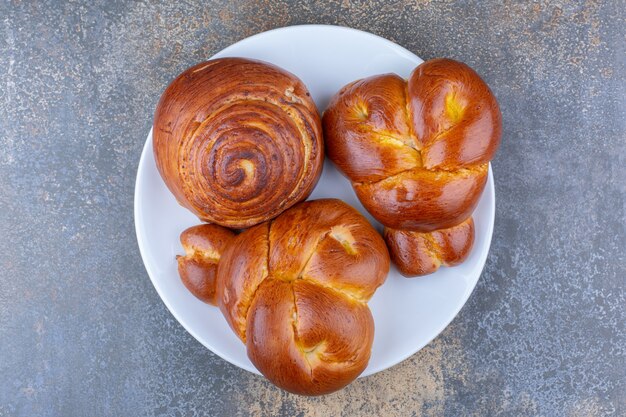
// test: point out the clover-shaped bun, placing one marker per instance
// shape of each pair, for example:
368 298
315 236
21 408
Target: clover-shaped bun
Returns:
295 291
416 151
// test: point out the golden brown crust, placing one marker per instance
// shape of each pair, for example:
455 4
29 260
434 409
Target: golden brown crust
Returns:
242 269
416 253
295 290
416 152
424 201
203 245
330 243
308 339
367 133
454 115
238 141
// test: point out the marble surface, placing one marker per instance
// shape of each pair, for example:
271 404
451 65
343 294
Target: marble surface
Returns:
82 330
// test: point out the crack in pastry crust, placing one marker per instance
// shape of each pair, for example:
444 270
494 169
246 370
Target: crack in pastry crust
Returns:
307 277
417 253
418 157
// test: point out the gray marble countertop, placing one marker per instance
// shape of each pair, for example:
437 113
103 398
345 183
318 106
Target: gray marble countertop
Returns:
84 333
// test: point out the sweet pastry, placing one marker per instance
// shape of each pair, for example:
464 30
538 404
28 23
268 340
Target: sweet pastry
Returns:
295 291
203 245
417 253
238 141
417 152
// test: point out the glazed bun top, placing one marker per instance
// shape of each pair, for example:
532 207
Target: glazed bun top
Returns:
238 141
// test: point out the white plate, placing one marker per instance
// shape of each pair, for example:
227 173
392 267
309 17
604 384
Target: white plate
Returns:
408 313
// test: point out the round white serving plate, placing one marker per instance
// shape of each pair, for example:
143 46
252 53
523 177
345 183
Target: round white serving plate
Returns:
408 313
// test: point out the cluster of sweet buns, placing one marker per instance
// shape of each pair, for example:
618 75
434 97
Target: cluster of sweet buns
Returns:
241 144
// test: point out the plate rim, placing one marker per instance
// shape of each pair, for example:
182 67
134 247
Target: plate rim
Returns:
137 215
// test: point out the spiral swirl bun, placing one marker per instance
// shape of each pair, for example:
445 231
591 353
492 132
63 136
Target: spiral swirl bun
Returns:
238 141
